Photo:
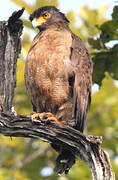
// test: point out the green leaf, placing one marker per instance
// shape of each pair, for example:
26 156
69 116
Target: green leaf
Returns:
112 66
99 67
115 12
94 43
105 62
109 30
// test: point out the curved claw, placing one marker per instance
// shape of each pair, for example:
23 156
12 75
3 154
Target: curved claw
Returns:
45 116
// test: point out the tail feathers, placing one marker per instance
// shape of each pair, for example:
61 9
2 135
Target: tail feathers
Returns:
64 162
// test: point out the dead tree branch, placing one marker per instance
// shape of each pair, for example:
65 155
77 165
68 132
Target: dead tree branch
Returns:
10 47
86 147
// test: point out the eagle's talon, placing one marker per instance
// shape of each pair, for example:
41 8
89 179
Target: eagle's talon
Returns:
36 117
46 117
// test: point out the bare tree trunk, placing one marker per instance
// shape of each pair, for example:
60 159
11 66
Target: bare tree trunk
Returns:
86 147
10 46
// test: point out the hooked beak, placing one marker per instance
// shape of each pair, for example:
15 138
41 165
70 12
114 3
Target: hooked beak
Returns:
38 22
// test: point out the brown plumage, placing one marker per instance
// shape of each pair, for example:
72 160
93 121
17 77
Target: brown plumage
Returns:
59 74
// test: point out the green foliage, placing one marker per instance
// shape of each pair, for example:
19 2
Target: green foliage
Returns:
24 159
105 62
115 13
106 59
110 28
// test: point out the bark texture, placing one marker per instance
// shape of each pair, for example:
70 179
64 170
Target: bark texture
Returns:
86 147
10 46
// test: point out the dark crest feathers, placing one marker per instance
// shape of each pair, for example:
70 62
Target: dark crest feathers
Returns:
52 9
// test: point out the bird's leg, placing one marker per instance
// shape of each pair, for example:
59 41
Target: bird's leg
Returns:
44 116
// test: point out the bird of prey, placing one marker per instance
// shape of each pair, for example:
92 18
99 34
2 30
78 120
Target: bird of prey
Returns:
58 76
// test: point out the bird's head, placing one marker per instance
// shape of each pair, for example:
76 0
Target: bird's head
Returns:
47 15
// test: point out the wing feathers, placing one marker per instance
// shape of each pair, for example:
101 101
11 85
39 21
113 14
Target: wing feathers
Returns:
82 83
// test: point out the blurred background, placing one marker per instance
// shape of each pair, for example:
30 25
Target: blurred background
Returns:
96 22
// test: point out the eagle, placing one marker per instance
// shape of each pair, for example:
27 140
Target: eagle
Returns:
58 76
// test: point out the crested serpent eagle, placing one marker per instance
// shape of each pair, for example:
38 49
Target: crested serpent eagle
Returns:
58 76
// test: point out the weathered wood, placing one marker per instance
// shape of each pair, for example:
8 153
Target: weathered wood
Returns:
10 47
86 147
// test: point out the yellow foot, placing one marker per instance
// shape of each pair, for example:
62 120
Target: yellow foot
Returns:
43 116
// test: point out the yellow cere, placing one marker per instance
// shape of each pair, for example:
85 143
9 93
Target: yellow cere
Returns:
41 19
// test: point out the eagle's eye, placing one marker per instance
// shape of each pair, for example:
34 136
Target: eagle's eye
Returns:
38 21
46 15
